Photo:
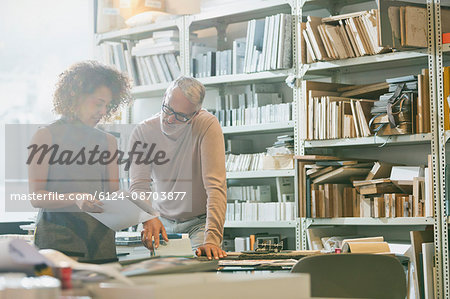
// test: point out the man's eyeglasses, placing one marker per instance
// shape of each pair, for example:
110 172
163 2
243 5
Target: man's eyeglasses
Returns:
178 116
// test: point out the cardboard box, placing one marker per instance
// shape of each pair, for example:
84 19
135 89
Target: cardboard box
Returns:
130 8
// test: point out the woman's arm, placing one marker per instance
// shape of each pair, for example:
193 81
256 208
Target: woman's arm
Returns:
37 180
112 168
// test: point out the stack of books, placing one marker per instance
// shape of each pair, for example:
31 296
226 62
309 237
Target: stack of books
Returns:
252 108
332 189
268 45
118 54
255 115
208 62
243 162
157 58
336 110
283 146
340 37
256 211
260 193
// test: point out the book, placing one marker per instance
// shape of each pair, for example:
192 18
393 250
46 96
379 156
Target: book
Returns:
238 55
317 46
417 239
415 27
428 269
341 175
379 170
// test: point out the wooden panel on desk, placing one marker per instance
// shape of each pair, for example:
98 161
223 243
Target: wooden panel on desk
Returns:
316 158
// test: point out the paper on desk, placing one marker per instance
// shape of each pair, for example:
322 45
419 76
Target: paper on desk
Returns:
19 256
119 214
175 247
60 259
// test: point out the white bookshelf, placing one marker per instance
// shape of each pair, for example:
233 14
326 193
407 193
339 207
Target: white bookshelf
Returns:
260 174
138 32
260 77
309 5
371 140
239 12
259 128
369 221
149 90
247 10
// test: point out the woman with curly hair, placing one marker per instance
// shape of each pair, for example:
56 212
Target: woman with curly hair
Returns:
86 93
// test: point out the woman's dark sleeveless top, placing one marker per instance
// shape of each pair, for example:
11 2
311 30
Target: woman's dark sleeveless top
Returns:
69 230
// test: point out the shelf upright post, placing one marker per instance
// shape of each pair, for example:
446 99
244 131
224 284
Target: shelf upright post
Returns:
299 145
295 54
221 28
438 148
183 26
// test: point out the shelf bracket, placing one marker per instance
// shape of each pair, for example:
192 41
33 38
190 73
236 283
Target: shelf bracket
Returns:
221 28
304 68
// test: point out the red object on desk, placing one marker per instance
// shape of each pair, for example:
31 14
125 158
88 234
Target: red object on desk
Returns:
446 38
66 277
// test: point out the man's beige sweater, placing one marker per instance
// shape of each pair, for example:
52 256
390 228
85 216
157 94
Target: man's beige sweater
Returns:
196 166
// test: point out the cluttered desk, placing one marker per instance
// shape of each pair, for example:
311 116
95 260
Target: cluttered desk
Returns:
51 271
172 270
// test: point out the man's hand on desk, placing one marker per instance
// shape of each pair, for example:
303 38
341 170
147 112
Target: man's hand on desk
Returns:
152 228
211 250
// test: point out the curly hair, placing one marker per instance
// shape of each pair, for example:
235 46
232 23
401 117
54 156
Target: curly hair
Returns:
84 78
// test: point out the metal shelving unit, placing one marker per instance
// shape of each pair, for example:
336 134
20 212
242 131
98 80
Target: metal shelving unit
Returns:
437 138
438 146
260 77
245 11
260 174
240 12
260 224
259 128
375 62
332 6
371 140
149 91
139 32
370 221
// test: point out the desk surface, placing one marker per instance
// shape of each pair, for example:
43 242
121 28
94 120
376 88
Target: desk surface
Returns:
209 285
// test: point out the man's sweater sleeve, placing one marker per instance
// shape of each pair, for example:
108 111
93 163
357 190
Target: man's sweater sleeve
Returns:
140 174
214 180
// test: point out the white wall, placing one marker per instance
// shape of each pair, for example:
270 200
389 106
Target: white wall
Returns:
38 40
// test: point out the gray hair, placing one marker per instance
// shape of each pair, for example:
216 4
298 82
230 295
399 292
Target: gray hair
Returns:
191 88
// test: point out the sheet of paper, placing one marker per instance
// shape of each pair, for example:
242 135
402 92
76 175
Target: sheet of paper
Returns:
60 259
121 213
176 247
